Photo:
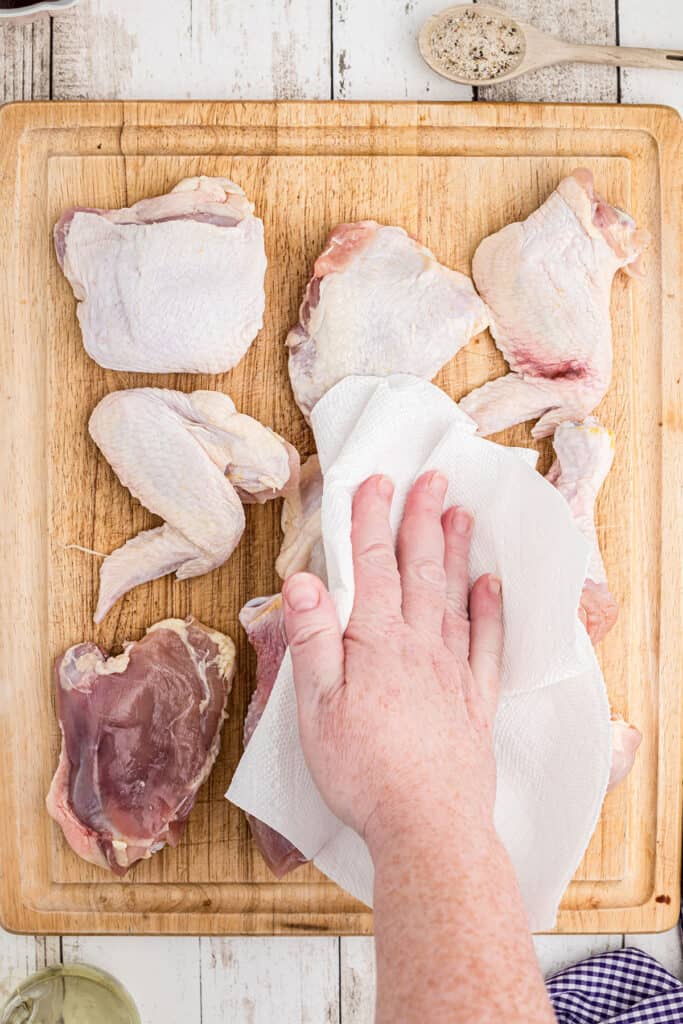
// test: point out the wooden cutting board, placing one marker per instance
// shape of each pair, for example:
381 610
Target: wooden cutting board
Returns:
451 174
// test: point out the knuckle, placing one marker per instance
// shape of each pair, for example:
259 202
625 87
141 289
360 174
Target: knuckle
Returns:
377 555
429 571
308 632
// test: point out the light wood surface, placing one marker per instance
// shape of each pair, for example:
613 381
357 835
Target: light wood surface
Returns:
307 167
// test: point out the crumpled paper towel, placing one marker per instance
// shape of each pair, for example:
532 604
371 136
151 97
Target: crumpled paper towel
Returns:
552 734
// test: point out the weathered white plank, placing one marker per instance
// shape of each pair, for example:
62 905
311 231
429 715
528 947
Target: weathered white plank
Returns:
21 956
162 975
25 61
583 21
657 23
193 49
357 980
270 981
557 951
376 55
665 947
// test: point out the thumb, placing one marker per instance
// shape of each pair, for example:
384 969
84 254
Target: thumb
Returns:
314 637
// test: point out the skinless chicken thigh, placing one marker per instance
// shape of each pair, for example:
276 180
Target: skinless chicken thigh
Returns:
263 622
140 734
173 284
584 455
547 284
193 460
378 303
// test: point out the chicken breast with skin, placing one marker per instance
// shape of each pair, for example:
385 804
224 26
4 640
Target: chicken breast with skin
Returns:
173 284
378 303
302 543
547 283
140 734
193 460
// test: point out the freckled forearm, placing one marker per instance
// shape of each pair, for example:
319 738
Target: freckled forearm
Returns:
452 939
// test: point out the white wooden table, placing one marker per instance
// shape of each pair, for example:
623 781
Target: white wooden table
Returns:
294 49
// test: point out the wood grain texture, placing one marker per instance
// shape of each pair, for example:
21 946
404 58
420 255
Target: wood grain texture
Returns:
375 54
583 21
165 985
125 49
556 952
357 979
271 981
659 23
25 61
402 163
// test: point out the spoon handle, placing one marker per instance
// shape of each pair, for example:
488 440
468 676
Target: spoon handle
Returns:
629 56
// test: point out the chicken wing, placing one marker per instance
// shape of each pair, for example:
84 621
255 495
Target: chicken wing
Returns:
193 460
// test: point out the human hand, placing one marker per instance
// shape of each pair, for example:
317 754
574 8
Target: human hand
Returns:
396 715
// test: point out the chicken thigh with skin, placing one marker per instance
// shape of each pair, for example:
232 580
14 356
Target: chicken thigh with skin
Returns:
378 303
584 455
547 283
173 284
193 460
140 734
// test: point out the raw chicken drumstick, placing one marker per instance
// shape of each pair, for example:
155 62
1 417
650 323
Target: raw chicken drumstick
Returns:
378 303
193 460
140 734
584 454
547 284
172 284
263 622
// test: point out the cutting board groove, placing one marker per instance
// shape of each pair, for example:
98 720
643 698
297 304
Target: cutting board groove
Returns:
449 173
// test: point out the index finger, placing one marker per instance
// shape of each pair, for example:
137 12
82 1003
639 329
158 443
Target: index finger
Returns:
377 598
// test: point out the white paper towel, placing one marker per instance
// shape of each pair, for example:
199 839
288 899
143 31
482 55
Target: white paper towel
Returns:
552 731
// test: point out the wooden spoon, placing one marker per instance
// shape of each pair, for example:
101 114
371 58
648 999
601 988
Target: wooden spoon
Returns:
537 49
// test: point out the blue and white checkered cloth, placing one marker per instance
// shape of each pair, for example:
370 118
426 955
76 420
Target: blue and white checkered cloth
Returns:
624 987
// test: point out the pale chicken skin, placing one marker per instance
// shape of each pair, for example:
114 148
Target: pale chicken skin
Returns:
173 284
263 622
547 284
140 734
626 739
378 303
302 547
193 460
584 455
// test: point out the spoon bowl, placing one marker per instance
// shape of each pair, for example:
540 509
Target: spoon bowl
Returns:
522 48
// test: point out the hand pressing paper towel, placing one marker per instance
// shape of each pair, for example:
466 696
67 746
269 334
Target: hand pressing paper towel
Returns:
552 732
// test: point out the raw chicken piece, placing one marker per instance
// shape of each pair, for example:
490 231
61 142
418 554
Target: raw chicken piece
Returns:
191 459
547 283
140 734
625 742
378 303
302 545
263 623
173 284
584 454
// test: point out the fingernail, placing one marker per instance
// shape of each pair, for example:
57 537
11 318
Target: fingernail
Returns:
494 586
385 487
301 594
462 521
437 484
